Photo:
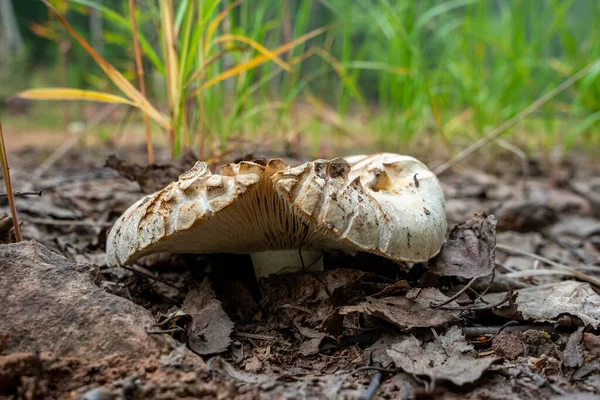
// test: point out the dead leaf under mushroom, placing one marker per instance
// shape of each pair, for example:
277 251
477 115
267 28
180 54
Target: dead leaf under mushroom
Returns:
469 251
211 329
408 312
446 358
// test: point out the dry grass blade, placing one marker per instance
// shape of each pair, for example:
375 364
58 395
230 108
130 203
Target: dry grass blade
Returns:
72 94
257 46
533 107
8 185
116 77
260 59
140 74
572 271
214 24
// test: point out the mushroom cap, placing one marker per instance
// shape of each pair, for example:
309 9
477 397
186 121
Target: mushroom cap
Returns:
387 204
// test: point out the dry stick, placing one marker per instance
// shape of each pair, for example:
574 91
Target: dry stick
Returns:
23 194
506 298
374 385
140 74
504 326
517 118
8 185
149 276
456 296
67 222
572 271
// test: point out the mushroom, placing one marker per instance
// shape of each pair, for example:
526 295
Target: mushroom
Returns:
386 204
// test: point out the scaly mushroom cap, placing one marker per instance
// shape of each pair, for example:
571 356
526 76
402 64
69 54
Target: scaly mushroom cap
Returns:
386 204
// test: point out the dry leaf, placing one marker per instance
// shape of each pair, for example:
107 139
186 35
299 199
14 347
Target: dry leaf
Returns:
469 251
412 311
443 359
573 355
211 329
546 303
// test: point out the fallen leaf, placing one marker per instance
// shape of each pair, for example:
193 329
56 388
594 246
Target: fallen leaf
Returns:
446 358
408 312
525 215
592 343
469 251
398 288
253 364
573 354
577 226
211 329
546 303
316 293
316 340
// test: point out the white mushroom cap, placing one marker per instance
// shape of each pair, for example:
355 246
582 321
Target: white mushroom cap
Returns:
385 204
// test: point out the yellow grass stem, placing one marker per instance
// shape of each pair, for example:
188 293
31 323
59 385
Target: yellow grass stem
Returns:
140 74
8 185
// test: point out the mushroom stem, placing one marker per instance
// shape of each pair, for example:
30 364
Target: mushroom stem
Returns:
285 261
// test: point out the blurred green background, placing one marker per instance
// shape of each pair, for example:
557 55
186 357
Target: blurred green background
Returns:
391 73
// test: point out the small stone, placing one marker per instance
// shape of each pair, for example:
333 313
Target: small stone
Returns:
507 346
99 393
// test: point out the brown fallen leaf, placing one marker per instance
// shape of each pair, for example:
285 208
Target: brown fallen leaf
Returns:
212 328
573 355
469 251
592 344
317 293
315 339
525 215
408 312
447 358
546 303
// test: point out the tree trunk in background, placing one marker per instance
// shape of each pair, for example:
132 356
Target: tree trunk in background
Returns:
11 42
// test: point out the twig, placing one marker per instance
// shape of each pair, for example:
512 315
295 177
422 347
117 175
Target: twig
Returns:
159 331
23 194
140 74
573 250
374 385
488 287
66 222
149 276
506 325
359 329
255 336
573 271
298 308
517 118
456 296
476 331
506 298
8 185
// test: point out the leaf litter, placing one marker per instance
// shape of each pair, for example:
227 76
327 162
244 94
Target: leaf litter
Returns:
332 334
212 327
448 357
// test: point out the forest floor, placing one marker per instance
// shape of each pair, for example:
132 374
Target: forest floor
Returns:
201 326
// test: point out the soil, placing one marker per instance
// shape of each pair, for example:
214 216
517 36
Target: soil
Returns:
201 326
